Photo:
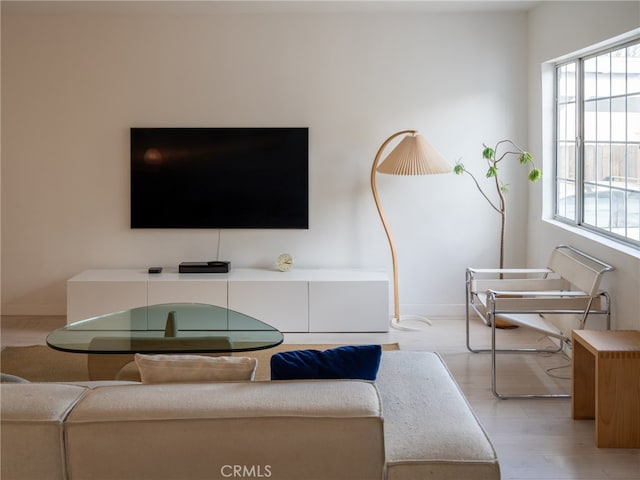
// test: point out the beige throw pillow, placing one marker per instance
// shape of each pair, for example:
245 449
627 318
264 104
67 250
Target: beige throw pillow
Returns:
194 368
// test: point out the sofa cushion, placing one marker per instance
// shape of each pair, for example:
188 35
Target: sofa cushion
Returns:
297 430
32 429
8 378
194 368
430 430
352 362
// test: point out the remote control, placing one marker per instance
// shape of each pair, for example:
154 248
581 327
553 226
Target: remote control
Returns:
155 269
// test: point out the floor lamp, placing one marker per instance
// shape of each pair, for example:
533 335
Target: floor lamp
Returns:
412 156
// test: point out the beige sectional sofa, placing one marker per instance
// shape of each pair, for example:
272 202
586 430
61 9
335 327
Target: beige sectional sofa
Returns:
411 423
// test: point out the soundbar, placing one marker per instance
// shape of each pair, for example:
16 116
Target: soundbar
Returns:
204 267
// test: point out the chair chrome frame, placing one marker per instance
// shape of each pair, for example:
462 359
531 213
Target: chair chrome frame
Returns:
568 285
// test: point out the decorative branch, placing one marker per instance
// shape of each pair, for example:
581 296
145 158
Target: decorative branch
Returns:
497 209
490 155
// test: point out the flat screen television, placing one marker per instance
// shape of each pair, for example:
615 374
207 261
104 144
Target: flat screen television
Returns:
220 178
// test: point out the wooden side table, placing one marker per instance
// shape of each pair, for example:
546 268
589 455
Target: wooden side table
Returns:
606 384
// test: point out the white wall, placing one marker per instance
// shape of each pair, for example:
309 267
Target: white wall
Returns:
72 85
557 29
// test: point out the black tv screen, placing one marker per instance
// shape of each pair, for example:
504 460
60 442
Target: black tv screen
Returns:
220 178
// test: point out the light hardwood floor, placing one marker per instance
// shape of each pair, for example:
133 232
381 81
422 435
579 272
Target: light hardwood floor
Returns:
535 439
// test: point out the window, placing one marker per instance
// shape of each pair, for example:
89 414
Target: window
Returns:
597 140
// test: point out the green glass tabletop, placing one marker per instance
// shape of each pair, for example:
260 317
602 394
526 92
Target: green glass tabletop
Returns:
167 328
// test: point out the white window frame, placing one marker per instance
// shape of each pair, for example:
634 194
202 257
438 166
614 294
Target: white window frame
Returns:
576 154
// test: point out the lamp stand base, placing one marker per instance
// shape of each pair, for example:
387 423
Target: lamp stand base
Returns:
396 323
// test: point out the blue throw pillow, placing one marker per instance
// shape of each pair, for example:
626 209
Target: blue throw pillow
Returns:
354 362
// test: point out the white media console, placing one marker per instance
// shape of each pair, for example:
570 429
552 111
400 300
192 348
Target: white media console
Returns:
296 301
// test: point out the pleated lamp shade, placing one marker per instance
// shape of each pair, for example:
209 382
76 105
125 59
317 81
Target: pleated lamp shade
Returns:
414 156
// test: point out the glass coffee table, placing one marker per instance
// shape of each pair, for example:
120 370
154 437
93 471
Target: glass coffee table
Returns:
112 339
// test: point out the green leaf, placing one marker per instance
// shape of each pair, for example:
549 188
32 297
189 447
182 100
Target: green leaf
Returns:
504 187
492 172
526 157
488 153
459 168
535 174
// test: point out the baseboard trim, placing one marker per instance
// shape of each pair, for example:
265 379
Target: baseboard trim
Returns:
436 310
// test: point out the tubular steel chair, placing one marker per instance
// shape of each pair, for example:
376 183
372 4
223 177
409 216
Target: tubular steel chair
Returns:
529 297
